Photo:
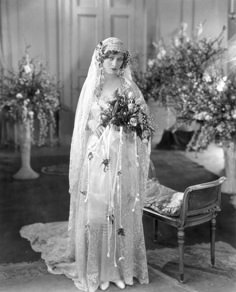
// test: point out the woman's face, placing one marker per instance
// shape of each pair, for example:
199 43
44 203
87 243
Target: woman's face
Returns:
113 63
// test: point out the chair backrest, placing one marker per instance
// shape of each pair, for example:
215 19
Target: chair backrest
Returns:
202 198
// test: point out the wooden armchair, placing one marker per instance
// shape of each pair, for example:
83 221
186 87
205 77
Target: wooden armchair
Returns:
200 203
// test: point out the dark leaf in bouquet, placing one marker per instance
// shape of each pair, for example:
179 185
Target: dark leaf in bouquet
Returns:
115 108
131 118
121 231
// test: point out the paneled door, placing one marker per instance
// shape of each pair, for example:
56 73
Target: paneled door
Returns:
82 24
95 20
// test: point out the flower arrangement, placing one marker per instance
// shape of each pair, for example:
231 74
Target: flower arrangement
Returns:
216 115
188 75
124 111
175 70
29 94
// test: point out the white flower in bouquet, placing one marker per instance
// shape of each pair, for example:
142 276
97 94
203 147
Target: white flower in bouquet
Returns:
207 77
233 114
219 128
19 95
131 106
21 81
133 122
208 117
130 95
176 42
202 116
26 101
161 54
221 84
151 62
31 114
27 69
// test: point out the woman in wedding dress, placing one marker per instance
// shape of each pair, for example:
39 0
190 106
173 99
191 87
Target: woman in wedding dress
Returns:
108 171
107 176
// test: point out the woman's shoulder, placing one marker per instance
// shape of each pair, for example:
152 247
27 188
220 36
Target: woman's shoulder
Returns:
128 84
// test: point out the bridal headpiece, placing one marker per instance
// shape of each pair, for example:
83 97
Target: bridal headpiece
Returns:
111 45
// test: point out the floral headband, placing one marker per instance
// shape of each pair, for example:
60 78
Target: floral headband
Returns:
109 46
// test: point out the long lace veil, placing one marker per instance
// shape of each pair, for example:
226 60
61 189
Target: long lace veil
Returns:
80 135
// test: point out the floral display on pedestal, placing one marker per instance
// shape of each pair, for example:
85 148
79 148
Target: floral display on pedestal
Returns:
190 76
27 95
187 76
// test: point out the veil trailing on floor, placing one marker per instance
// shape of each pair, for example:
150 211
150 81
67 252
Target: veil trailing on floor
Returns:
104 240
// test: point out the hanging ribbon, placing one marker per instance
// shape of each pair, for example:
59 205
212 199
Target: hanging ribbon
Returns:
135 149
110 215
137 199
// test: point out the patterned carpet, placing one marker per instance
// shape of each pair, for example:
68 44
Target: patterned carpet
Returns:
57 169
163 262
47 200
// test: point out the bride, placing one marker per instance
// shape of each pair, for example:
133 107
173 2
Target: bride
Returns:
107 176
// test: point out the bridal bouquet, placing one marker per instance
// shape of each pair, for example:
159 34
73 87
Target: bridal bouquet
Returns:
125 111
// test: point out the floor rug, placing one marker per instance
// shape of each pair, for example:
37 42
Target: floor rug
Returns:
44 238
163 267
197 258
57 169
19 271
47 199
33 277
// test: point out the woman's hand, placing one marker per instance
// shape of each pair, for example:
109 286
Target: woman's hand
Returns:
99 130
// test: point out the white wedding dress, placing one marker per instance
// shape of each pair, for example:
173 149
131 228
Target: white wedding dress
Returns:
105 241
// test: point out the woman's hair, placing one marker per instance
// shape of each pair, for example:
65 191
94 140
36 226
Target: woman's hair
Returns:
126 57
102 54
103 51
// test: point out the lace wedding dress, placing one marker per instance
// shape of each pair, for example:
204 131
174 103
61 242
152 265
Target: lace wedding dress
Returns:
104 241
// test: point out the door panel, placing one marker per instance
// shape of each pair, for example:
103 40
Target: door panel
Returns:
119 20
120 27
120 3
94 21
87 3
88 23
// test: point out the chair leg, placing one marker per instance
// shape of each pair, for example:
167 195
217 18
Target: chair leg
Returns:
181 253
155 229
213 234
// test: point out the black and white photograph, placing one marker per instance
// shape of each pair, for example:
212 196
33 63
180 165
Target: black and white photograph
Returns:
118 145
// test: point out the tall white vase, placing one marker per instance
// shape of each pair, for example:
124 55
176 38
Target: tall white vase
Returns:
229 186
25 172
